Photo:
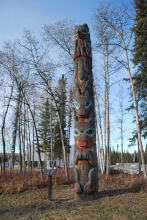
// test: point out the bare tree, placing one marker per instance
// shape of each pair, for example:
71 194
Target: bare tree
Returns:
14 65
20 134
102 161
37 59
24 136
104 45
3 126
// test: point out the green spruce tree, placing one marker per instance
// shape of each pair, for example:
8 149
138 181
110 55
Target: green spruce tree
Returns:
44 128
62 106
140 62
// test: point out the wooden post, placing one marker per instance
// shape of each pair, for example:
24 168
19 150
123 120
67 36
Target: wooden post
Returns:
50 173
49 188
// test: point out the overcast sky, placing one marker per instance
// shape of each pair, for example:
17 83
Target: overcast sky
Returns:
15 15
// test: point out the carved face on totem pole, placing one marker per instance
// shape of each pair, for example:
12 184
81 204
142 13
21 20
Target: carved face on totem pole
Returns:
84 134
83 103
82 41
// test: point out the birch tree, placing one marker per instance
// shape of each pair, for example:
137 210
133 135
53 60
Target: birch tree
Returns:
104 45
121 22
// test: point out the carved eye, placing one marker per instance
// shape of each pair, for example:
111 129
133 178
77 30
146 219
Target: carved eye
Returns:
86 93
90 131
87 104
77 105
75 32
85 30
77 132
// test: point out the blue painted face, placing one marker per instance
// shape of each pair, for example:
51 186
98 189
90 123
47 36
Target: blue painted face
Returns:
83 105
84 134
83 31
86 104
89 132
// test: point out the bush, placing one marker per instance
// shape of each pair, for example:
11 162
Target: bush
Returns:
139 184
14 182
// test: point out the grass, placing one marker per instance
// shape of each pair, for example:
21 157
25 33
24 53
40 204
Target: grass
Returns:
120 197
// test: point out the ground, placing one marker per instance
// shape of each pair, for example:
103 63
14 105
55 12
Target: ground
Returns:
116 201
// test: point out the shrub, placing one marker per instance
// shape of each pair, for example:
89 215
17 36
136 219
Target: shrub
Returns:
139 184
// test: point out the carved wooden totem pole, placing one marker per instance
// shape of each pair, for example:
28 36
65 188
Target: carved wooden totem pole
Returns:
85 158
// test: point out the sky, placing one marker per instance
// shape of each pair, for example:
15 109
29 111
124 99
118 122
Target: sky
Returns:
15 15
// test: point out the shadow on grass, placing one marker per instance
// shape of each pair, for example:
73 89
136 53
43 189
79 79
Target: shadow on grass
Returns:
113 192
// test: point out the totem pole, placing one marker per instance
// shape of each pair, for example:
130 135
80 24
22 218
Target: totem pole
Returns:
14 133
85 156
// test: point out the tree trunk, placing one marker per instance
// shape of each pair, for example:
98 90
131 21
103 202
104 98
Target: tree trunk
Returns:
139 156
52 165
14 131
24 136
30 146
102 158
54 139
20 121
122 136
38 149
105 120
99 158
27 130
33 142
107 104
3 126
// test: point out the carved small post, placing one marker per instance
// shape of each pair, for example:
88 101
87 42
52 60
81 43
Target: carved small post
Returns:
85 158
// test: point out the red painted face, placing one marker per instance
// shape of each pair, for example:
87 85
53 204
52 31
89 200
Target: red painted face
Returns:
84 143
84 134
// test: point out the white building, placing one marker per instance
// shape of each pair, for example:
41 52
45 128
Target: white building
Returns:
43 157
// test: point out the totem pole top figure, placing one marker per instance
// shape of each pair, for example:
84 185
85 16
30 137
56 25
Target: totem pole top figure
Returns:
82 41
85 157
81 31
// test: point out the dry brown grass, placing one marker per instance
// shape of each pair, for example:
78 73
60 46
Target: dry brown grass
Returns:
15 182
121 197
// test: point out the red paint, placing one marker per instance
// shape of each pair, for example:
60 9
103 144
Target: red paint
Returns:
83 143
91 184
75 184
81 36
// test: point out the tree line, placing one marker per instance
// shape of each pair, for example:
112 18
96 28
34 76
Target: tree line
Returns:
115 157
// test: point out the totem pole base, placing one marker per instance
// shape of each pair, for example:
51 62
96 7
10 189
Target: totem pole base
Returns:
86 197
85 177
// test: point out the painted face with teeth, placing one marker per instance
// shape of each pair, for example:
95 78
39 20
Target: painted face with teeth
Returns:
84 134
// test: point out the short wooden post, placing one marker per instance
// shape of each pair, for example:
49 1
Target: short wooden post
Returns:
50 173
49 188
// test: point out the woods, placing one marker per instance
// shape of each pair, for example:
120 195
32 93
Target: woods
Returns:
37 75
